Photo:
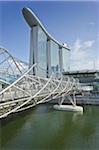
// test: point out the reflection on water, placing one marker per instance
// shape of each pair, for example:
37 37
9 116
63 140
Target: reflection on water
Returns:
76 115
45 128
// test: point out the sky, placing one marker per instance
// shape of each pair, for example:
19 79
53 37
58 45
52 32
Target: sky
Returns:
74 22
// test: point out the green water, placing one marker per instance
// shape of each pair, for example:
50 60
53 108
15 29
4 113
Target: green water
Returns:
43 128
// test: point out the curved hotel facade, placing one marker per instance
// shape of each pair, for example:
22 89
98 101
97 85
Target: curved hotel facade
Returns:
44 49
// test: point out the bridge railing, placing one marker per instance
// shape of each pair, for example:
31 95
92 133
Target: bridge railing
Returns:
29 90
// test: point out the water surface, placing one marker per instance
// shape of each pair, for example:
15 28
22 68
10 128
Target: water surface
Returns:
44 128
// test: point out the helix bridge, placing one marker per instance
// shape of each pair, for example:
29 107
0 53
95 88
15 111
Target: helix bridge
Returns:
21 90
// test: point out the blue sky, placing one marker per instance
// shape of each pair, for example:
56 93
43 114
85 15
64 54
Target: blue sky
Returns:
76 23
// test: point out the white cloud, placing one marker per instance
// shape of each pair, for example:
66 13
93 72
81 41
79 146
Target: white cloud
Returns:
77 45
88 44
83 65
97 36
97 64
92 23
80 55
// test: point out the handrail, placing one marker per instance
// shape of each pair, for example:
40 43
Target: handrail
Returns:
17 80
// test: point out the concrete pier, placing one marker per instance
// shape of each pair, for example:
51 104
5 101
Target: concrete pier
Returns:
82 100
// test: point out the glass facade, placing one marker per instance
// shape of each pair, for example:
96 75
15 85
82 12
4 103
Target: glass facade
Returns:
50 56
66 59
55 58
42 39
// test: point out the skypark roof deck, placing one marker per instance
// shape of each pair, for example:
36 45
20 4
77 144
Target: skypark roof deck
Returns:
33 20
44 49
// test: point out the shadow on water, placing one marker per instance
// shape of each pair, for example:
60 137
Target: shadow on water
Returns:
10 126
44 128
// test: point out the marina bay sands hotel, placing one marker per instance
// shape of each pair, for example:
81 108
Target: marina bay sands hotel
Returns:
45 51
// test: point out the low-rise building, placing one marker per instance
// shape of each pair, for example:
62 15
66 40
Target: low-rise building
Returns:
89 78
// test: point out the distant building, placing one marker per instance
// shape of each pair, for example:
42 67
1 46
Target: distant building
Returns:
86 77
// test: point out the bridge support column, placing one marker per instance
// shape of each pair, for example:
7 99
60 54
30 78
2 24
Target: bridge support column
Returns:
60 59
48 56
33 56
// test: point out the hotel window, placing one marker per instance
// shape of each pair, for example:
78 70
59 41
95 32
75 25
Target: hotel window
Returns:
55 58
42 39
66 59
